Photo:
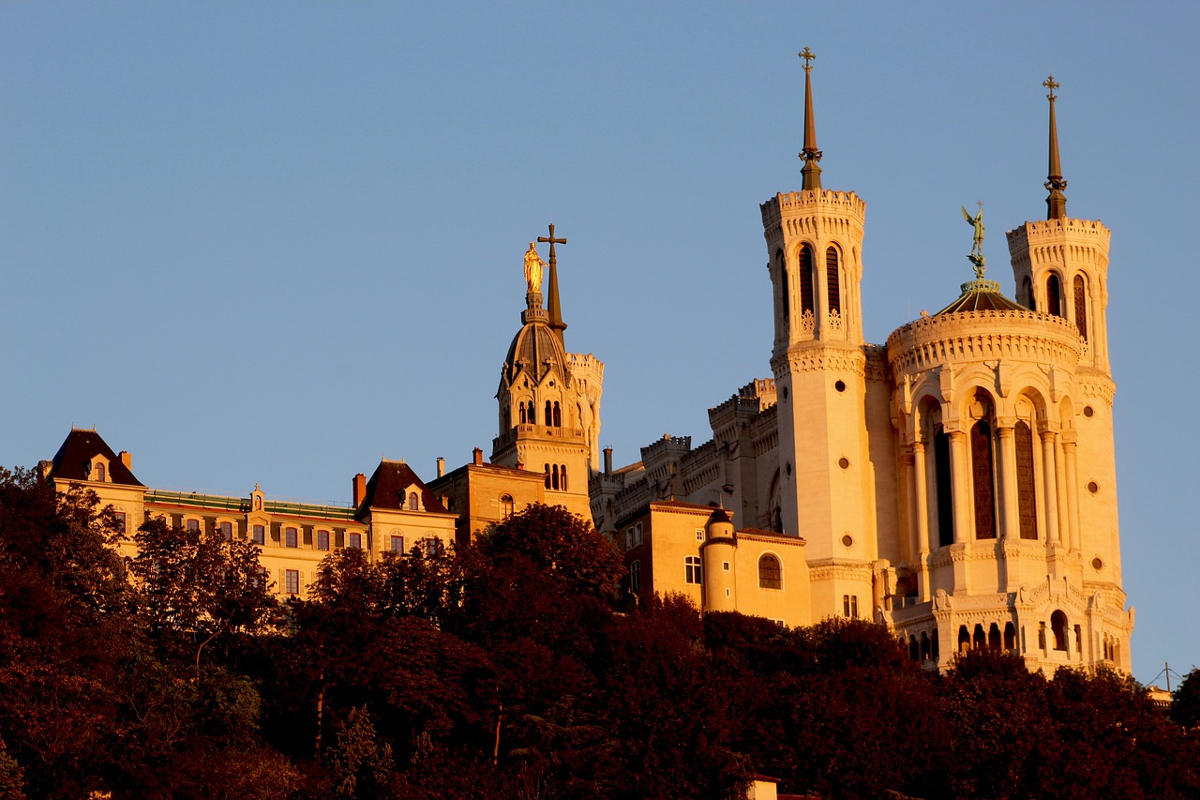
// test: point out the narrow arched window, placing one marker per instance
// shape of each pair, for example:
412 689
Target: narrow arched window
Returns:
804 270
557 415
833 281
964 639
1054 295
99 470
981 466
785 292
1058 626
994 637
1026 492
521 414
549 414
1081 306
547 476
506 506
562 477
1010 637
770 573
978 639
554 476
945 498
413 502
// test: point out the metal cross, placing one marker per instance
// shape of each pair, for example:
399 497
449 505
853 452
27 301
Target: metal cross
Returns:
552 242
1050 84
808 56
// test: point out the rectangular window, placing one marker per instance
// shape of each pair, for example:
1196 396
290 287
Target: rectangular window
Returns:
850 605
692 570
292 578
635 576
355 541
260 535
122 526
193 524
699 534
397 544
845 605
227 531
322 540
289 537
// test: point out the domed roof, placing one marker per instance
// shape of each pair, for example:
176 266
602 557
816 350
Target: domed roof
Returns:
981 295
535 348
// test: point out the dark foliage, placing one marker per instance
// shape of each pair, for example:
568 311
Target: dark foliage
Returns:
503 670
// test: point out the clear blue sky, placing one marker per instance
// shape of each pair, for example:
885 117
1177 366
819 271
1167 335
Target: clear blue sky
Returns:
271 242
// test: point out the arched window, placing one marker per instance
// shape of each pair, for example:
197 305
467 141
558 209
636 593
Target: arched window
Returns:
945 499
770 573
549 414
635 576
994 637
413 501
554 476
1026 494
964 639
506 506
924 651
978 640
914 651
804 271
832 280
557 415
1054 295
981 465
692 570
521 413
1081 306
1010 638
562 477
785 291
547 476
99 470
1058 626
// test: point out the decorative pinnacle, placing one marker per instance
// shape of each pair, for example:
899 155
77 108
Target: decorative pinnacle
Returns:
811 155
1056 202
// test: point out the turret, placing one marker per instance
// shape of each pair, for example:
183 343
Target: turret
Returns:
718 550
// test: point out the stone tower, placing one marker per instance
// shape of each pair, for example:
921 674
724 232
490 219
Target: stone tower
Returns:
825 378
549 399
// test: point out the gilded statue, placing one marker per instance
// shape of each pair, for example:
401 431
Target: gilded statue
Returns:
533 268
976 221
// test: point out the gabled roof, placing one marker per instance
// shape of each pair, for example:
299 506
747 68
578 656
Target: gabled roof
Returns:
390 479
73 460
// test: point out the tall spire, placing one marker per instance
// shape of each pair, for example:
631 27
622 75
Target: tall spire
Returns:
1056 202
811 155
552 306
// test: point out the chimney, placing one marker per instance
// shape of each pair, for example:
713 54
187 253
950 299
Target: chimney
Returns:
441 470
608 461
478 459
360 489
126 459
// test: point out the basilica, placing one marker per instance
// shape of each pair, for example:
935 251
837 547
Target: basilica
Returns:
956 483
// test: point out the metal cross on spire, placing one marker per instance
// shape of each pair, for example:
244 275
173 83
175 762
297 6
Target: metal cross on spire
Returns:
552 304
1051 84
1056 202
808 56
811 173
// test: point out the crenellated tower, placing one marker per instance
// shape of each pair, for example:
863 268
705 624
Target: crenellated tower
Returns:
821 366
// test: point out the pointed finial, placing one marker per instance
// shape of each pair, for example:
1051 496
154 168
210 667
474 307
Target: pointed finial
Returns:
811 155
552 304
1056 202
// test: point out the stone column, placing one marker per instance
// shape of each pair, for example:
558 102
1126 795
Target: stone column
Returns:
1007 450
920 491
1050 481
960 461
1072 481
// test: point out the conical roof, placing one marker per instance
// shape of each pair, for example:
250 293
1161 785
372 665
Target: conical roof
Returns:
982 295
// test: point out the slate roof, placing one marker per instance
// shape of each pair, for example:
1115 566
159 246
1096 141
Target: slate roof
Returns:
72 460
389 480
981 295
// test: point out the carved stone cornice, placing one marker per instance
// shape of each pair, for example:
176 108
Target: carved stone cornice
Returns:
816 356
839 569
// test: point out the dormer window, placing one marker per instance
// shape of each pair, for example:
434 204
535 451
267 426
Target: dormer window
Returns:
98 473
413 501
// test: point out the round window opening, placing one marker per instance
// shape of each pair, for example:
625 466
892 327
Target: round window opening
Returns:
843 462
847 540
1097 564
1088 411
840 386
1093 487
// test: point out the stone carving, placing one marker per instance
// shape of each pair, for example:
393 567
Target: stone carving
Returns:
976 222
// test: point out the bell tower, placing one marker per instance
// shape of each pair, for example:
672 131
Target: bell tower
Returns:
548 399
814 242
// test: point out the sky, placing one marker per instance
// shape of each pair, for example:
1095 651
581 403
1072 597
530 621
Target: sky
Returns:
268 242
